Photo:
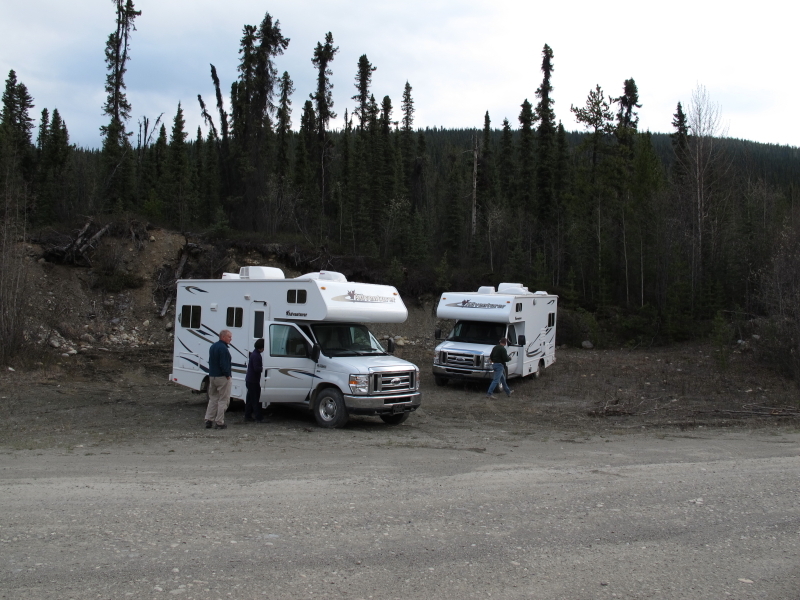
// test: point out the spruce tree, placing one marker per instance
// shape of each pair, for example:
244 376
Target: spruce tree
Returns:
52 188
363 82
323 104
16 126
680 145
545 147
507 165
406 135
526 158
283 127
117 152
180 202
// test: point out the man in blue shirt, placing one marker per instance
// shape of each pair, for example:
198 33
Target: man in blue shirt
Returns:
219 381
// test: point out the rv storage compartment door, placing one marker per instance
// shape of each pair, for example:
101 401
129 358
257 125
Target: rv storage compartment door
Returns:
288 366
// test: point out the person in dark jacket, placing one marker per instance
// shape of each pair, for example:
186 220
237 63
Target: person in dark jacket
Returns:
252 406
499 358
219 381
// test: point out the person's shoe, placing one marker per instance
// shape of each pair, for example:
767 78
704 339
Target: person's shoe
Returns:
209 424
510 392
491 397
249 419
223 426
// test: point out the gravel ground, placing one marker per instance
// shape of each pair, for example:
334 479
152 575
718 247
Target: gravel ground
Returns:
617 475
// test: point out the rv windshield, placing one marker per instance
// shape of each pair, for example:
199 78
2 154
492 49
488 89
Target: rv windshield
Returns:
346 340
477 332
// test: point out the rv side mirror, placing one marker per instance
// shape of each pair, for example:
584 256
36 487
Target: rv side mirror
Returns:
391 346
437 334
315 351
521 340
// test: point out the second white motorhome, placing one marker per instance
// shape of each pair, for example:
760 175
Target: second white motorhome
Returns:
318 353
527 319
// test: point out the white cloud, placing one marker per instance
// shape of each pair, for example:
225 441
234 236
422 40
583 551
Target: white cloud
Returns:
461 57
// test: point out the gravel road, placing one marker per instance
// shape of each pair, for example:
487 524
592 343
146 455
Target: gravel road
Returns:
430 509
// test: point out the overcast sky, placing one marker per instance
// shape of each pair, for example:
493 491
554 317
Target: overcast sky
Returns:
462 57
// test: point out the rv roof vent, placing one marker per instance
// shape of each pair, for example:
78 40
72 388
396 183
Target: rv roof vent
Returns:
486 289
332 276
540 293
260 273
504 286
520 291
230 276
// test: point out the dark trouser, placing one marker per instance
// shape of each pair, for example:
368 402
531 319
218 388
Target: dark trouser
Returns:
252 403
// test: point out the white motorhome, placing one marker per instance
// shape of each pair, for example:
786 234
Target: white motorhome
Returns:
318 353
527 319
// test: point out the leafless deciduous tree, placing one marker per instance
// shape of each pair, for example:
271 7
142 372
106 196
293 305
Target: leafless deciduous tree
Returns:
706 167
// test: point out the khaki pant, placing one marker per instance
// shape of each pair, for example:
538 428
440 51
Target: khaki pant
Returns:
219 396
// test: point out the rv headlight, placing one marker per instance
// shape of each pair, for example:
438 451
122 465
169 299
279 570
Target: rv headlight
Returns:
416 379
359 384
435 358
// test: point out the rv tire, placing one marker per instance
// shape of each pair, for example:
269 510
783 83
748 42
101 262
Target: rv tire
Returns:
440 381
395 419
538 372
329 409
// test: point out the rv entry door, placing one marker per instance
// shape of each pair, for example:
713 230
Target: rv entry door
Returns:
289 370
515 351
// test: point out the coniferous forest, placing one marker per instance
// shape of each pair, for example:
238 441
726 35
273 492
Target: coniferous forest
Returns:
658 237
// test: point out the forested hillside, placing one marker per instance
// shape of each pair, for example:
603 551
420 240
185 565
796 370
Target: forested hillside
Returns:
662 232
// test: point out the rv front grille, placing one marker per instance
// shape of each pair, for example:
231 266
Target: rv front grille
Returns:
460 359
390 383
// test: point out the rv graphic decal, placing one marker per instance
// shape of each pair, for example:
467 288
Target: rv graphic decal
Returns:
199 334
471 304
191 289
204 336
536 352
353 296
202 368
294 372
294 314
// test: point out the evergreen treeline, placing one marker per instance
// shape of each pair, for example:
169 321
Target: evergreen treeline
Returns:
667 230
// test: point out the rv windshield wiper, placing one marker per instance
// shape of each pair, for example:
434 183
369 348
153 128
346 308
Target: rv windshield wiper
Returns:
340 352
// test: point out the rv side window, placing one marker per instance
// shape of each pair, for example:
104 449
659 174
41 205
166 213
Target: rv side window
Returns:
234 318
512 334
258 324
551 319
296 296
190 316
519 306
285 340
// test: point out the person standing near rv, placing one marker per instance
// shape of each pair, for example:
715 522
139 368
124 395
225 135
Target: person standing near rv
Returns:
499 358
219 381
252 407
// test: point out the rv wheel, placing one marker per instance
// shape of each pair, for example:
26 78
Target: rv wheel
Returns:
395 419
440 381
329 409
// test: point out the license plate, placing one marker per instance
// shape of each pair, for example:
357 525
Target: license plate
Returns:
397 409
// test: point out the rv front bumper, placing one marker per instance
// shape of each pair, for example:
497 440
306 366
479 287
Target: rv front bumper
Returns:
383 405
461 373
